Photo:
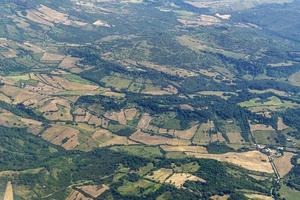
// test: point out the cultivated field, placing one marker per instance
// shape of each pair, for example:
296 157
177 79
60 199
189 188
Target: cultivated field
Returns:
9 192
252 160
145 138
66 137
283 163
194 149
94 190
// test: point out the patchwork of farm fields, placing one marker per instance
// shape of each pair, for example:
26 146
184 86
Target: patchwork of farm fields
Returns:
138 99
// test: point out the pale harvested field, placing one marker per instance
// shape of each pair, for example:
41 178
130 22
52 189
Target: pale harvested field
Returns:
75 195
277 92
9 119
61 102
94 190
144 121
236 4
69 85
10 91
117 116
101 23
216 93
113 94
168 70
132 1
202 135
51 57
117 140
53 15
5 98
161 130
9 195
202 20
217 138
281 125
58 17
63 113
160 175
234 137
58 134
283 163
145 138
186 134
294 79
178 179
258 197
9 173
79 111
260 127
252 160
49 107
69 62
155 91
208 20
20 22
33 16
31 122
27 97
130 113
102 134
225 17
171 89
83 118
43 88
47 16
104 123
94 120
186 107
218 197
194 149
106 138
10 53
191 43
32 47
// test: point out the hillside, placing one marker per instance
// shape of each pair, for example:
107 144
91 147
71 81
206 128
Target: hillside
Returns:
150 99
